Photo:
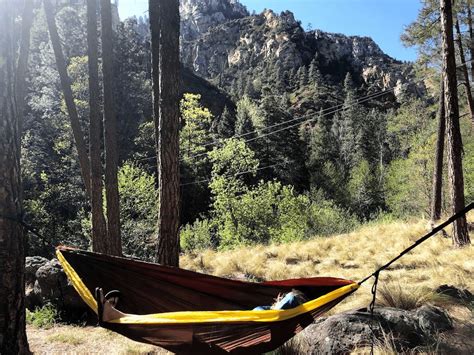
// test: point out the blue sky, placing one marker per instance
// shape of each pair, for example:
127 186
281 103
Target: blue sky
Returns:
383 20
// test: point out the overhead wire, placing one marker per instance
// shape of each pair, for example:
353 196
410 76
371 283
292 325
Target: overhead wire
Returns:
301 120
238 174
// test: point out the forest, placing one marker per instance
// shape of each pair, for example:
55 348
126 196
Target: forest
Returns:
130 137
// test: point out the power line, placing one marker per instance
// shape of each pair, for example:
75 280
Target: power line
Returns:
325 112
238 174
334 110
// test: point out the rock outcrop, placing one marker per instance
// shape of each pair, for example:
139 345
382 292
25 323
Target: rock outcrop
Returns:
341 333
198 16
46 283
220 39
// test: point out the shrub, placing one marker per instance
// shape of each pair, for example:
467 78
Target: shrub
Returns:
138 210
44 317
196 236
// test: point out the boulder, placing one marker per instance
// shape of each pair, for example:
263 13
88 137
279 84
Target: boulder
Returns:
32 264
52 286
461 295
341 333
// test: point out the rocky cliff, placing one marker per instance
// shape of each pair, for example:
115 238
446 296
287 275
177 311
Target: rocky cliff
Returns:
223 43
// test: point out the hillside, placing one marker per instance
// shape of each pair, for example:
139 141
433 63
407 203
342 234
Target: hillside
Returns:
243 53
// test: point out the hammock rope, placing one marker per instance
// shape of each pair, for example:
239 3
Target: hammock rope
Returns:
435 230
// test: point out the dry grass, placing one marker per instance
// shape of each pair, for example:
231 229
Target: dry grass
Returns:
352 256
84 340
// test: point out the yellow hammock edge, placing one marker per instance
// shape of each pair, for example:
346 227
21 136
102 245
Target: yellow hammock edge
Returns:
185 317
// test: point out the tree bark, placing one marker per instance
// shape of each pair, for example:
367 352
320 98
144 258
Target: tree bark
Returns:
99 228
454 142
22 66
164 25
467 85
12 239
68 96
471 36
436 202
114 244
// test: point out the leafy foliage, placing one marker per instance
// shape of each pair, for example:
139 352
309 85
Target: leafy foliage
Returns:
138 211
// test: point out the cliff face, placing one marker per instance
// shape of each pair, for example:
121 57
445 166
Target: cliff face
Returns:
198 16
223 43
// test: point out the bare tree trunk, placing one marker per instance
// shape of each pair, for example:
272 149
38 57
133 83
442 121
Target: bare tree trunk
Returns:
455 172
68 96
164 25
114 244
99 228
438 169
22 66
465 72
12 239
471 36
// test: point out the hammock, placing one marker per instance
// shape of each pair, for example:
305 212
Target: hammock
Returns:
188 312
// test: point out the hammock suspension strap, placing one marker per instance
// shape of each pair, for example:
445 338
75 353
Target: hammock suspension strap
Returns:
371 309
422 239
29 228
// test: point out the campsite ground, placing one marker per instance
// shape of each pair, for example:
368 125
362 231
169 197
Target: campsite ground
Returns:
409 282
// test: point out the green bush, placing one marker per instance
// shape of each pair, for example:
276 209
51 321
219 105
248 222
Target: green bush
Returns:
138 211
196 236
44 317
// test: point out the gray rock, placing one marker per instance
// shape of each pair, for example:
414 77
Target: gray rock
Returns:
462 295
32 264
52 286
433 320
341 333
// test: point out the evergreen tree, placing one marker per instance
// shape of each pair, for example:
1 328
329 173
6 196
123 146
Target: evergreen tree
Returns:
164 27
225 124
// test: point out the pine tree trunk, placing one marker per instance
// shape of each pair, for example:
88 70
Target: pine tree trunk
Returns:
22 67
467 85
471 36
114 244
99 228
164 25
454 143
12 239
68 96
436 202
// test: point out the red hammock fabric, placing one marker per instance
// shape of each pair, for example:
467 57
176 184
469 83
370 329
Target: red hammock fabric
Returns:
150 288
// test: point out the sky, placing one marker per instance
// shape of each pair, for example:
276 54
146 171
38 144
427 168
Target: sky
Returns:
383 20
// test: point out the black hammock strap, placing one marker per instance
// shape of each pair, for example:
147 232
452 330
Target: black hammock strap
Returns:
435 230
29 228
376 273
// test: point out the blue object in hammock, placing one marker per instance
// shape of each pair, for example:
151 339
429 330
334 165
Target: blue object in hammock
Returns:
287 302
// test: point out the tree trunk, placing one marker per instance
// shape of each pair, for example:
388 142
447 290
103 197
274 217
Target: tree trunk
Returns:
471 36
438 169
68 96
22 66
454 143
12 240
114 244
465 72
164 25
99 228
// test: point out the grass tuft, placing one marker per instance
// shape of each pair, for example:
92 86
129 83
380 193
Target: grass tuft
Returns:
394 295
66 338
44 317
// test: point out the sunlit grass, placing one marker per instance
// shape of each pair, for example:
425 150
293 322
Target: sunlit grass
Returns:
352 256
